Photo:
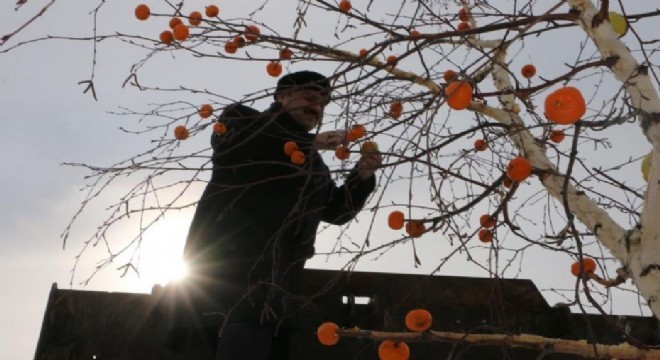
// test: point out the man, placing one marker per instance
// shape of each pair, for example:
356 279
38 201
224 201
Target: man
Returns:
256 222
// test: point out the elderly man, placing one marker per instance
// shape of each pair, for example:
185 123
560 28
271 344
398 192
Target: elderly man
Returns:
256 222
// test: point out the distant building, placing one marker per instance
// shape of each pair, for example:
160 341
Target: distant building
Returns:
102 325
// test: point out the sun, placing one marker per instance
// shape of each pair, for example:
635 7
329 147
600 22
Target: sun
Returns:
162 252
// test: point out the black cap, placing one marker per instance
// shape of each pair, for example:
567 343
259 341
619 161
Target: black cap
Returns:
304 79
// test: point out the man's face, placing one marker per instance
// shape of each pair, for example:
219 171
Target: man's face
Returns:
305 105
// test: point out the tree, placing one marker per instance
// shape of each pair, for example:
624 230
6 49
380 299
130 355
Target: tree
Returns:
402 69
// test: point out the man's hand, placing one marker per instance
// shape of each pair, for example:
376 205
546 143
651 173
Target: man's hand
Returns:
329 140
369 162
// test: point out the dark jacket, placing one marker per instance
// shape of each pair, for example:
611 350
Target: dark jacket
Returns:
256 222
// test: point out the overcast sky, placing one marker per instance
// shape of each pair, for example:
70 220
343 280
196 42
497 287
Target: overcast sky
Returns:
47 120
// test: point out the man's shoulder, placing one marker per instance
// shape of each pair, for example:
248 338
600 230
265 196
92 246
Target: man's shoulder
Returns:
239 111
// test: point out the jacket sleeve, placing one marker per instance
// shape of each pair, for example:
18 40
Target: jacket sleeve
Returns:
347 200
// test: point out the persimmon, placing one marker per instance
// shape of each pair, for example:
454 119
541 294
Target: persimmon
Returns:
362 53
327 333
195 18
239 41
181 133
356 132
396 109
174 22
480 145
252 33
395 220
518 169
507 183
391 350
166 37
219 128
528 71
342 153
230 47
345 6
142 12
557 136
391 60
414 33
449 75
463 25
486 221
485 236
463 14
180 32
212 11
205 111
588 265
415 228
274 69
418 320
286 54
458 94
290 147
565 106
298 157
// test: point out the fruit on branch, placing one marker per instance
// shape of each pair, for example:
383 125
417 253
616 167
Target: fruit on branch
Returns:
195 18
362 53
415 228
396 109
290 147
485 236
174 22
418 320
557 136
205 111
390 350
274 69
619 23
518 169
286 54
219 128
565 106
391 60
327 333
239 41
252 33
395 220
414 33
166 37
369 147
230 47
646 166
181 133
342 153
528 71
298 157
463 15
458 95
588 265
462 26
480 145
486 221
356 132
212 11
450 75
142 12
345 6
180 32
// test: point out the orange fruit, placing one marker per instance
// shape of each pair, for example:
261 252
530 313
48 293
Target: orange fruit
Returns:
252 33
230 47
174 22
362 52
485 236
565 106
449 75
342 153
205 111
166 37
391 60
298 157
463 15
142 12
390 350
181 133
195 18
486 221
480 145
458 95
415 228
181 32
327 333
418 320
219 128
507 182
345 6
274 69
290 147
395 220
286 54
528 71
414 33
588 264
356 132
396 108
239 41
557 136
463 26
518 169
212 11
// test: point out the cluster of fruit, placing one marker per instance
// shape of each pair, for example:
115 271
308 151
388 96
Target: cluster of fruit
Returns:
178 30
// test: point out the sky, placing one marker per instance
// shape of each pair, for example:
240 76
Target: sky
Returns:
48 120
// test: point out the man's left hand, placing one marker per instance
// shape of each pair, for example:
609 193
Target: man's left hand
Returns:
368 163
